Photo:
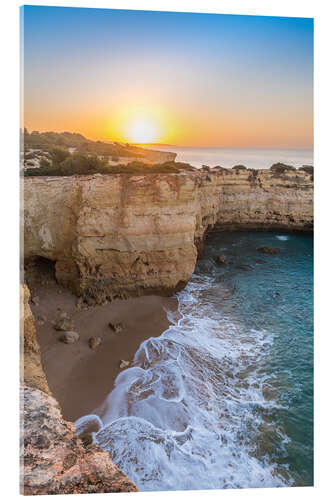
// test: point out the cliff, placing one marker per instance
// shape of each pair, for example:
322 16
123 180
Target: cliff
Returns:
54 460
117 235
32 373
154 156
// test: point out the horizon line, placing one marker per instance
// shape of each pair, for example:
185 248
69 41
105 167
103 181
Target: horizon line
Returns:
161 144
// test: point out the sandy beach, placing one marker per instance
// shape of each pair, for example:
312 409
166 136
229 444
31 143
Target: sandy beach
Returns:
80 377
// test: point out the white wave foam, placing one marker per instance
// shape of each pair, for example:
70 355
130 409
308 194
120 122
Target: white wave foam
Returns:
282 238
187 415
88 424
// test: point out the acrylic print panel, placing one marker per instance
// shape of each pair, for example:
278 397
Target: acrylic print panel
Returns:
167 291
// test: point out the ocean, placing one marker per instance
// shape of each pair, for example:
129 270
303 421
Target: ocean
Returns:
224 397
229 157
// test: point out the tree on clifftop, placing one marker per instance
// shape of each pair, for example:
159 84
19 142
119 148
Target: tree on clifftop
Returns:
58 155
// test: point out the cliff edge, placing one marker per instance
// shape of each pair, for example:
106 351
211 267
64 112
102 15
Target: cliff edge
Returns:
117 235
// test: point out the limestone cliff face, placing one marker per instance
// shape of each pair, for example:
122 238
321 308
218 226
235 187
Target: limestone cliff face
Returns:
32 373
53 458
256 199
112 235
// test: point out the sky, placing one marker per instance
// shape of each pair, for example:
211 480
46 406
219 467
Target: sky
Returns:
172 78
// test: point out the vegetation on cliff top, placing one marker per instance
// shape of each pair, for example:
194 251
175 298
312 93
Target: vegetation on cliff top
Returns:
239 167
60 162
43 141
280 168
307 168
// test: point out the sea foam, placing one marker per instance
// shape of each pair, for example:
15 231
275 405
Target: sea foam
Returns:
188 414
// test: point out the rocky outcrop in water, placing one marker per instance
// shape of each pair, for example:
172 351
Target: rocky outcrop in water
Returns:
54 459
118 235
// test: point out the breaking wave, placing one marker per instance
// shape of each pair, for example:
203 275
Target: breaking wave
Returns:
190 412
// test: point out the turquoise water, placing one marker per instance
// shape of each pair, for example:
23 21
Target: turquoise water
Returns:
223 398
276 295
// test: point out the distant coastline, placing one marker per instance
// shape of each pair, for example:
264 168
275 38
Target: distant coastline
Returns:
258 158
152 144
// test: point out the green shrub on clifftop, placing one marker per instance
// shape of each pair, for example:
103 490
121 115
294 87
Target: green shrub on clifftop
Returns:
58 155
279 168
63 163
239 167
307 168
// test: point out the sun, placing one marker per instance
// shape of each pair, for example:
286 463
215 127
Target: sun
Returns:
142 130
141 124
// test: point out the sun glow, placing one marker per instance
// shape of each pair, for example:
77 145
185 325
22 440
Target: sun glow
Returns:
142 130
142 124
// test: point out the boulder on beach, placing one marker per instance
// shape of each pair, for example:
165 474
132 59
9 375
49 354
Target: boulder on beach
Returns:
64 315
94 342
64 324
268 250
124 364
116 327
81 304
69 337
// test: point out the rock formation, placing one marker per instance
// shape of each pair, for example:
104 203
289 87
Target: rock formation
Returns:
117 235
155 156
54 459
114 235
32 373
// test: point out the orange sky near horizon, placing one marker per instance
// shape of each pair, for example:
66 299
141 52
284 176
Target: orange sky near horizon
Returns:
281 129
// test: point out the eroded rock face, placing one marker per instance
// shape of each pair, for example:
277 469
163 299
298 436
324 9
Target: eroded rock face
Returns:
32 373
53 458
113 235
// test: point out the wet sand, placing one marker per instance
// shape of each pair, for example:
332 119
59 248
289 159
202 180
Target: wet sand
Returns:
80 377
